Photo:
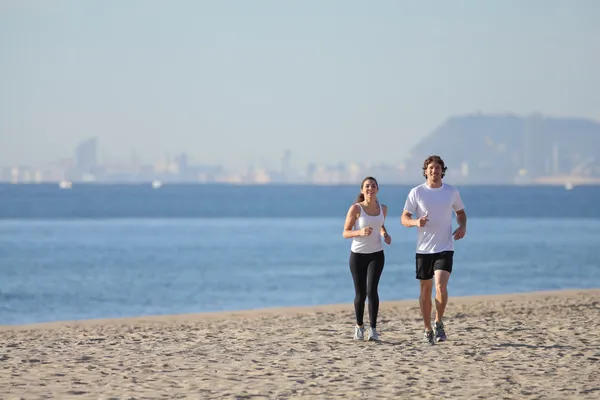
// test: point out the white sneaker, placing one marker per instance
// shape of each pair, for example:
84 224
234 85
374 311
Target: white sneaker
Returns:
373 335
359 333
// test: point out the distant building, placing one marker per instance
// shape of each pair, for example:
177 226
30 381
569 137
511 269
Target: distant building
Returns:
86 156
286 168
181 164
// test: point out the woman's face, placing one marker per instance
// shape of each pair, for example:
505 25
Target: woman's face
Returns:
369 188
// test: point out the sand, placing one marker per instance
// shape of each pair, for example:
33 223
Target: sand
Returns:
536 345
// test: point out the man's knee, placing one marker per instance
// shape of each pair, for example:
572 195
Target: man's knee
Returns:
426 286
441 288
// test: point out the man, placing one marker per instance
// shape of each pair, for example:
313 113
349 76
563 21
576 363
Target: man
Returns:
432 204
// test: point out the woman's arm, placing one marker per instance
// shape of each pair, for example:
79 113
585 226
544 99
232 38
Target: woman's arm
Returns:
383 230
351 217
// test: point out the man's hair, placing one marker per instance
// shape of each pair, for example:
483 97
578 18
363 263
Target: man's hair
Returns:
434 159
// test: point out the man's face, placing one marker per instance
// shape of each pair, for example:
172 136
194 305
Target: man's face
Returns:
434 171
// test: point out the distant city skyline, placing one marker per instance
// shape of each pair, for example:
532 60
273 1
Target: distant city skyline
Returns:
239 83
477 148
84 165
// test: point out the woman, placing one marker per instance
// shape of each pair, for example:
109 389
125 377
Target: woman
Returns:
365 226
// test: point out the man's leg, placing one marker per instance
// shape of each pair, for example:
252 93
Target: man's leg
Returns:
442 270
424 272
441 293
425 302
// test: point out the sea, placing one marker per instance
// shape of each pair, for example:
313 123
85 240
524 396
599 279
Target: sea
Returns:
121 250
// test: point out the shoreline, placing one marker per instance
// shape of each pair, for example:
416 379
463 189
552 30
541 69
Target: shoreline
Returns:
291 310
512 346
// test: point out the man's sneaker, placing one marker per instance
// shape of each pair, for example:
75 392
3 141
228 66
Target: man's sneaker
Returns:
359 333
438 329
428 337
373 335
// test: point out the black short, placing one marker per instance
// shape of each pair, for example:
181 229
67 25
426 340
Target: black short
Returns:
428 263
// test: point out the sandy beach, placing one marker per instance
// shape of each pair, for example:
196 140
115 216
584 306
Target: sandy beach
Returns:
537 345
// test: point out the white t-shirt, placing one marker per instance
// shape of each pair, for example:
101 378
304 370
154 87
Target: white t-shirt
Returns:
437 204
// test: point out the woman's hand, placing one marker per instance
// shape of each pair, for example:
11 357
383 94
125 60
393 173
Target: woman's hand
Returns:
387 239
366 231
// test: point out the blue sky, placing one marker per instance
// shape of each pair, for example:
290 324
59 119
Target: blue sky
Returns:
237 82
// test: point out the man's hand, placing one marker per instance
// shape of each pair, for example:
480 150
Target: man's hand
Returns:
459 233
422 221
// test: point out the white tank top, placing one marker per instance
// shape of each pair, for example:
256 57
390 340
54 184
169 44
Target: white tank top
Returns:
372 243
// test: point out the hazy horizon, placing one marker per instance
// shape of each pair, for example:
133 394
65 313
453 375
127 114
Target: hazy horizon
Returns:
237 82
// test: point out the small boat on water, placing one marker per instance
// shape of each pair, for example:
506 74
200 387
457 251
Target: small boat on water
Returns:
65 184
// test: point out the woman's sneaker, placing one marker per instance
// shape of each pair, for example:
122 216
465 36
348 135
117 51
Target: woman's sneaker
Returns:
359 333
438 329
373 335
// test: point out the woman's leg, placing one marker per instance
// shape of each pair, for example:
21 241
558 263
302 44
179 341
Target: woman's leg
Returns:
374 271
358 268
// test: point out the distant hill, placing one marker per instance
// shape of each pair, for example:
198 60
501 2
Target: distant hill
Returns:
510 149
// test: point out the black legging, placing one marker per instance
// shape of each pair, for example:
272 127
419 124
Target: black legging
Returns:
366 270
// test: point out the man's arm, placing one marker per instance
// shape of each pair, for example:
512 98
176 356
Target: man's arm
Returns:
409 222
406 219
459 208
461 218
